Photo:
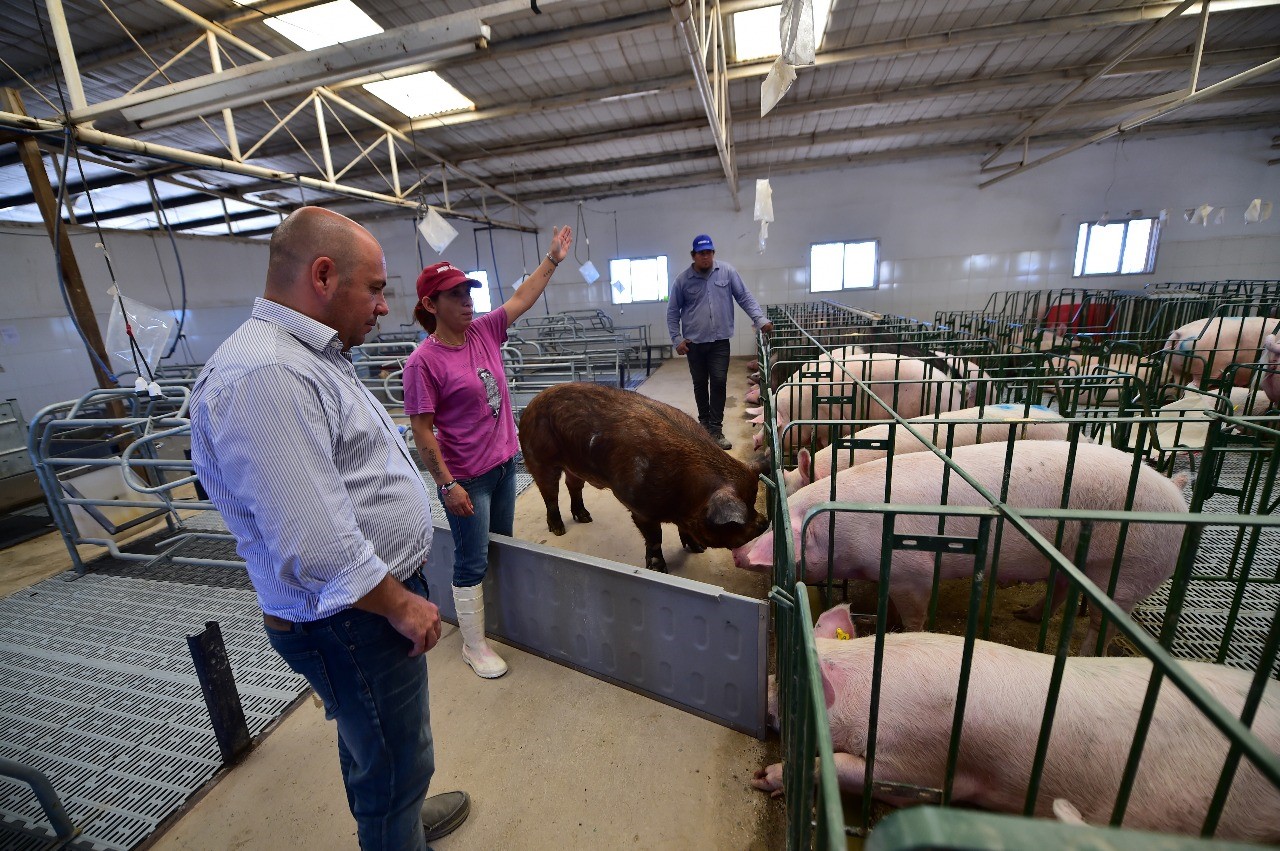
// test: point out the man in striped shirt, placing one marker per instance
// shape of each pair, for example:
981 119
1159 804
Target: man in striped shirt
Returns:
331 517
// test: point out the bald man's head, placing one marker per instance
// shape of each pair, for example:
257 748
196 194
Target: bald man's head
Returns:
308 234
329 268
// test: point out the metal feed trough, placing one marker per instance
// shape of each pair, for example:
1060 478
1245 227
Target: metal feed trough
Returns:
1221 604
107 477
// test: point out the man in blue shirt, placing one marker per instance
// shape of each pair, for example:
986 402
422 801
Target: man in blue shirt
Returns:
700 319
331 517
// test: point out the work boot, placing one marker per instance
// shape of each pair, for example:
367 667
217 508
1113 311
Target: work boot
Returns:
444 813
476 652
721 440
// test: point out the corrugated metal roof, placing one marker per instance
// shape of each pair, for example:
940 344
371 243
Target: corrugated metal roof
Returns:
600 98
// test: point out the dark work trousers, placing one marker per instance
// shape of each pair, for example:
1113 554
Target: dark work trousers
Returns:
709 365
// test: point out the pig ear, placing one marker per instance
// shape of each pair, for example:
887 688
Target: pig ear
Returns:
828 690
832 620
724 507
804 465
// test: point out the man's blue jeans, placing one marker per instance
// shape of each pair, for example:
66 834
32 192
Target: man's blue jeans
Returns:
493 496
709 365
360 667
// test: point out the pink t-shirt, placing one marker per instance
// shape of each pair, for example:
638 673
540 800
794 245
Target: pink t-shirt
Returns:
466 388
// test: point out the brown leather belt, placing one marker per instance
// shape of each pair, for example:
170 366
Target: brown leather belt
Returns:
277 623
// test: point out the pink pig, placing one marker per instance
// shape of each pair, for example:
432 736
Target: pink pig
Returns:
909 385
1271 370
1217 343
1049 425
1099 481
1096 714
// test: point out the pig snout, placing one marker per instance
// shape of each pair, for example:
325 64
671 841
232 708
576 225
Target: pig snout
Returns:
755 555
757 440
753 395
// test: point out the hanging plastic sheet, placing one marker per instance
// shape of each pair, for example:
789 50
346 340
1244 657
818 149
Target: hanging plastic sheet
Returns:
799 46
589 273
775 85
1257 211
436 231
151 327
764 209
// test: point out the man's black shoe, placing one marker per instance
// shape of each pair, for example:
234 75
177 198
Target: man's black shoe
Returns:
444 813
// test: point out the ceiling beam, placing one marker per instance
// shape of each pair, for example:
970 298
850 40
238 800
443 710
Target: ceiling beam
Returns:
607 188
993 121
1137 121
701 34
881 97
289 75
172 37
933 42
972 36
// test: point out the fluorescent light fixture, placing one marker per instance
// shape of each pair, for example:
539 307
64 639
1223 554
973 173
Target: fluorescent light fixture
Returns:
321 26
1229 6
422 94
757 32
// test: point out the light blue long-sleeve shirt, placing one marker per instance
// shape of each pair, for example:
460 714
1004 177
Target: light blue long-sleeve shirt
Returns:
701 306
309 472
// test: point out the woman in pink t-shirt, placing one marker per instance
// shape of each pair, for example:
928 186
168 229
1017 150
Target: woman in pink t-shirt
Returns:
456 396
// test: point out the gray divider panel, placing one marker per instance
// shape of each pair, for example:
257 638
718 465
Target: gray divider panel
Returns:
685 643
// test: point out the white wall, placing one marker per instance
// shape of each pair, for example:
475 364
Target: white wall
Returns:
944 243
42 357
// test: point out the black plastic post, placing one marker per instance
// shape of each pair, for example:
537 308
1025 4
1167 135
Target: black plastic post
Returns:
218 683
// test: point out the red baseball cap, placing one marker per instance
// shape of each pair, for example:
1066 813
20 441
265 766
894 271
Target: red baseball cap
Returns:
439 277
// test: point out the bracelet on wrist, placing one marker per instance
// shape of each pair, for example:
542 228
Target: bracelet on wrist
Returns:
554 261
444 488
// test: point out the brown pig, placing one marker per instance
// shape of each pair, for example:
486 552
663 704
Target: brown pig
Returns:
658 461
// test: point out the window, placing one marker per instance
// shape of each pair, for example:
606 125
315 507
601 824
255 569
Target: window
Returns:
835 266
1126 247
757 32
481 299
639 279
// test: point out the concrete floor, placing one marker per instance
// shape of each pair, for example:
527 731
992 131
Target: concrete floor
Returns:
551 757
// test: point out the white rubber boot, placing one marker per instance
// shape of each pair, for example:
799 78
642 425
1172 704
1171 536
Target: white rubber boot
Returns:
476 652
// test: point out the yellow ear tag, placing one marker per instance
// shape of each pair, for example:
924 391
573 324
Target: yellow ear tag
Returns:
842 635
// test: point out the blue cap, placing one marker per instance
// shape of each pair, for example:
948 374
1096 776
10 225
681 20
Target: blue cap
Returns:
702 242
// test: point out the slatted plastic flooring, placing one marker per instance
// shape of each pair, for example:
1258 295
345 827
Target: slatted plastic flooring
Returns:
98 691
97 688
1208 603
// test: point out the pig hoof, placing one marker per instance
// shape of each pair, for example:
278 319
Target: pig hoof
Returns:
659 564
556 528
694 548
582 516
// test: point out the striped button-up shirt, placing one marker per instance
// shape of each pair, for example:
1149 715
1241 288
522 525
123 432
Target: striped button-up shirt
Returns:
308 470
701 306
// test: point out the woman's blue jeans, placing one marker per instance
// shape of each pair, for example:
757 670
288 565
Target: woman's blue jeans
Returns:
493 496
360 667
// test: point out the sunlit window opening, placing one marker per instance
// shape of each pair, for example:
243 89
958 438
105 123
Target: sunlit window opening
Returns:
639 279
321 26
481 299
757 32
835 266
422 94
1126 247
